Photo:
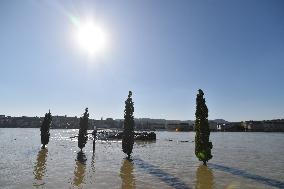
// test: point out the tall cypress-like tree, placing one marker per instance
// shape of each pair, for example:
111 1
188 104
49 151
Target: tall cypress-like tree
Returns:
202 145
44 129
128 127
83 137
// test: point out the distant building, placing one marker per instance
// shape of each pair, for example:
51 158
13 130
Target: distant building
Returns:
149 124
212 126
181 126
264 126
230 127
64 122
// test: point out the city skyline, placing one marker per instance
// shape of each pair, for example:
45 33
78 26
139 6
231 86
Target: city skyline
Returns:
160 50
218 120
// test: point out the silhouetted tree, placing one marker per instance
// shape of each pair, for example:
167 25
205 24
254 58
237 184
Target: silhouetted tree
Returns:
83 137
44 129
202 145
128 127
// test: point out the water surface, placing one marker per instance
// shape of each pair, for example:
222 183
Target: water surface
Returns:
240 160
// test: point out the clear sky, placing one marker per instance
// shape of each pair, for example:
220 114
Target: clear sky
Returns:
162 50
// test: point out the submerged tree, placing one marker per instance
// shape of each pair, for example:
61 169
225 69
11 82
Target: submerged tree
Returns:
83 137
128 127
202 145
44 129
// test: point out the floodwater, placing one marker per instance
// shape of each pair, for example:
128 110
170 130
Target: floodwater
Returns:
240 160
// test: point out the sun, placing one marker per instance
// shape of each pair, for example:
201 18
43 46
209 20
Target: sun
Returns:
91 37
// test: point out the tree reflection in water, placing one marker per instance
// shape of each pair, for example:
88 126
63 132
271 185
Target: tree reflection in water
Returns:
40 167
93 162
204 178
93 169
80 169
126 174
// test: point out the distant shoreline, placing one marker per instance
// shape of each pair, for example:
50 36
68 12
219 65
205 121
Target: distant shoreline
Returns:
217 125
160 130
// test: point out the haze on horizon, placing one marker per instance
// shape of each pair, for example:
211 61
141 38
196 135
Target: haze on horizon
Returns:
163 51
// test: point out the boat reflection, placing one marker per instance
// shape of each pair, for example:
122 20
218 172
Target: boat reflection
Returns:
126 174
40 167
80 169
204 178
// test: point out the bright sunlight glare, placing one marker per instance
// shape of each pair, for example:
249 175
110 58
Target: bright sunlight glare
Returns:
91 38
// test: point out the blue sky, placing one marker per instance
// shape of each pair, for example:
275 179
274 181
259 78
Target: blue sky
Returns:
162 50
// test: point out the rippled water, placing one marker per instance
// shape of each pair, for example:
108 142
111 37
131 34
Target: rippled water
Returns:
240 160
